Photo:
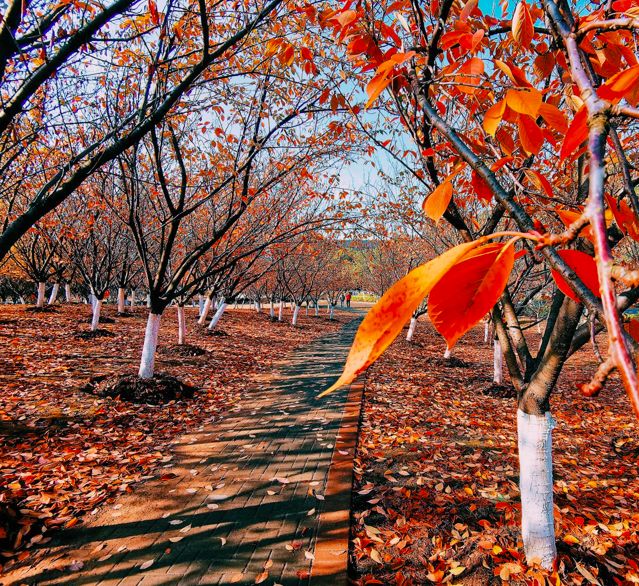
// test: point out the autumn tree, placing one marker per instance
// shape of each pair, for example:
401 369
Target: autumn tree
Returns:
521 128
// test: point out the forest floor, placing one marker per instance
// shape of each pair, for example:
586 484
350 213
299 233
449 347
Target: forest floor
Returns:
436 496
64 452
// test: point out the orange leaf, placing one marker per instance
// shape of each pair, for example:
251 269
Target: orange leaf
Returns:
524 101
584 267
554 117
540 181
470 289
493 117
522 25
387 317
624 217
621 85
436 203
376 86
576 134
569 217
530 135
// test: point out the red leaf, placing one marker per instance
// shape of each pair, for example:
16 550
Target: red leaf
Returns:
470 289
576 134
584 267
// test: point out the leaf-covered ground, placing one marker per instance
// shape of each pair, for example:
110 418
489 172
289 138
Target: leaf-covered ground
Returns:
63 452
436 493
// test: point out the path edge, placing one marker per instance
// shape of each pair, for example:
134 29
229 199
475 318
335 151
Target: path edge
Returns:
330 566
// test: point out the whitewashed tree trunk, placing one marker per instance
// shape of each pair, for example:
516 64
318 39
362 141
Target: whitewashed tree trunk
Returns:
258 306
218 314
272 310
486 332
534 434
235 304
121 298
316 309
41 292
67 292
307 308
498 362
147 363
181 325
200 304
295 314
411 329
330 315
54 293
95 319
205 310
280 311
132 298
148 300
447 354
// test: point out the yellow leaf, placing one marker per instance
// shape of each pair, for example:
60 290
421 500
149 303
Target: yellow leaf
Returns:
493 117
458 570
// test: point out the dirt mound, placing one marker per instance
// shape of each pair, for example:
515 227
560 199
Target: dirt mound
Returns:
90 335
500 391
182 350
158 390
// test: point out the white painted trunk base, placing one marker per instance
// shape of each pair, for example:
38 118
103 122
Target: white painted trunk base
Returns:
447 354
498 363
41 292
486 332
147 363
534 435
205 311
317 310
200 304
296 312
411 329
218 315
132 298
54 293
67 292
121 298
272 310
330 315
280 311
95 320
181 325
148 300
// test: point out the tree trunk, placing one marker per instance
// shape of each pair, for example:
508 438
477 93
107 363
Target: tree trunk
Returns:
316 309
447 354
200 304
95 319
280 311
132 298
205 310
147 363
41 291
181 324
411 329
498 362
67 292
54 293
295 314
330 316
121 298
486 328
534 435
218 315
272 310
148 300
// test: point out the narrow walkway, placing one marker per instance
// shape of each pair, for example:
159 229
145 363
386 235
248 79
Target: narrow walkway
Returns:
238 504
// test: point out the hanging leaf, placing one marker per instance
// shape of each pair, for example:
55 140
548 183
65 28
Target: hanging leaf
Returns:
576 134
624 217
530 135
554 117
470 289
524 101
522 25
493 117
387 317
376 86
584 267
436 203
622 85
482 189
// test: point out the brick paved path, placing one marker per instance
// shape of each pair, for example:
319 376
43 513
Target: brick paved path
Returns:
243 507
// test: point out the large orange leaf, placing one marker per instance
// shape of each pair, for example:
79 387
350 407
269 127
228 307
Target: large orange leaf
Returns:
621 85
569 217
493 117
524 101
554 117
376 86
470 289
387 317
624 217
585 268
576 134
436 203
522 25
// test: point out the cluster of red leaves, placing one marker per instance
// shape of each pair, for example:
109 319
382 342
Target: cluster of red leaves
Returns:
64 452
436 497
